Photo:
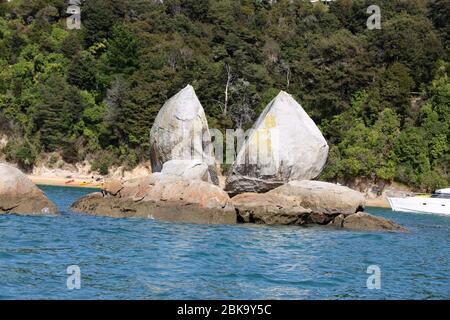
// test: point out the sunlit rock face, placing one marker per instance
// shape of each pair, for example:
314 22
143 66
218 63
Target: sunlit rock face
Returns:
285 144
19 195
187 170
310 203
163 197
322 197
180 132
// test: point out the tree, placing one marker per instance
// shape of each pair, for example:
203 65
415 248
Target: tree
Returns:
394 89
411 41
440 15
244 101
83 71
229 77
195 9
123 50
58 108
98 18
382 98
115 102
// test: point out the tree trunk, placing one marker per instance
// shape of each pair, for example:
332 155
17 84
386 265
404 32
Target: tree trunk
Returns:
227 86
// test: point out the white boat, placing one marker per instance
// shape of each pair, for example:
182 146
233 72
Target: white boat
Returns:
438 203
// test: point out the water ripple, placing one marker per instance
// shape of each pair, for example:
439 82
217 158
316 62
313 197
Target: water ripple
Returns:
147 259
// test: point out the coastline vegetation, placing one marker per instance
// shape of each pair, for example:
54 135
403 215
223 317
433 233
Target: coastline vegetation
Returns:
381 97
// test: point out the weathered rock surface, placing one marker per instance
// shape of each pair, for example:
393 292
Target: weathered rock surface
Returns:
112 186
285 145
366 222
180 132
188 170
323 197
163 197
309 203
20 196
173 198
269 209
297 203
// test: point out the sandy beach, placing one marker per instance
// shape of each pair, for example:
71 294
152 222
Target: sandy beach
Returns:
64 182
378 202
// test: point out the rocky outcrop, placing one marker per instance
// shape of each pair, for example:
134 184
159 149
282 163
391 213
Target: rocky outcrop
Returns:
323 196
112 187
180 132
285 145
298 203
173 198
270 209
309 203
20 196
366 222
163 197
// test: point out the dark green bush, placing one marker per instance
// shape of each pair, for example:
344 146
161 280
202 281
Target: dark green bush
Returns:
21 153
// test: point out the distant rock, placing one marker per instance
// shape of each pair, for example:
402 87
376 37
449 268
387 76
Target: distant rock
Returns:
163 197
323 197
20 196
180 132
285 145
366 222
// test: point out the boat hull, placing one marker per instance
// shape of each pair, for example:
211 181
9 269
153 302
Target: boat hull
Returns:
421 205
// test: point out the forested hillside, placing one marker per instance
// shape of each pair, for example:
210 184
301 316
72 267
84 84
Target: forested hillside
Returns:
381 97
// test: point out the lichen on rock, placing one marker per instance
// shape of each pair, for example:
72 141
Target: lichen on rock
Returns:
284 145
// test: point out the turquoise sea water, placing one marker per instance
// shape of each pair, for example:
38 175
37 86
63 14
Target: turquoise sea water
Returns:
147 259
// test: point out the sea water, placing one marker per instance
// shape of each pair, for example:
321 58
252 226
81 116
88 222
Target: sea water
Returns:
106 258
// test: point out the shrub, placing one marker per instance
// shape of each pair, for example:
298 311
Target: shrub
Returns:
102 162
21 153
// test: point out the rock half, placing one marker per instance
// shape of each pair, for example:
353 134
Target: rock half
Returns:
284 145
180 132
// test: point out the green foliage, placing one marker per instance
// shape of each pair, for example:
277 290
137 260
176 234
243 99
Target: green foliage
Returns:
382 97
412 41
99 17
102 161
82 71
21 153
59 107
123 50
414 155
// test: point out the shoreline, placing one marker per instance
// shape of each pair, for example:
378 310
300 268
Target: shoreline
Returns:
378 202
64 182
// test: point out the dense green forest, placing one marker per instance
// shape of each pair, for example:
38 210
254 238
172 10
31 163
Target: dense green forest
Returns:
381 97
